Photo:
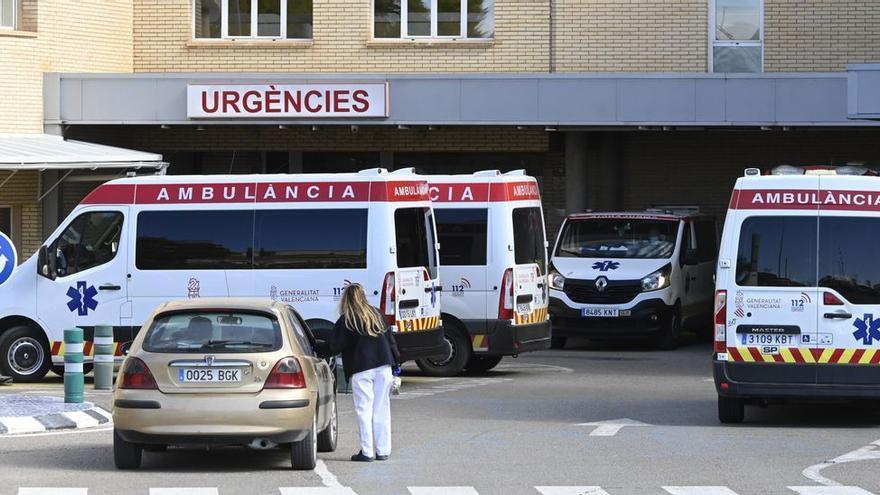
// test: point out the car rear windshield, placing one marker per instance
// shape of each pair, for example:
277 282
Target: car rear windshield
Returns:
618 238
213 331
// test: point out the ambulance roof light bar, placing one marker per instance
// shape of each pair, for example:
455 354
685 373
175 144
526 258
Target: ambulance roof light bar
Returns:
487 173
404 171
849 169
373 171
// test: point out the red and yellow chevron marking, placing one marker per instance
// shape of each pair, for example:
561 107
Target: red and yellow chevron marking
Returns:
88 348
804 355
480 342
539 315
417 324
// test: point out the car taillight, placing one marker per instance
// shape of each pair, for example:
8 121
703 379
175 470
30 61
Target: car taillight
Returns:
136 375
287 373
505 301
831 300
720 321
387 299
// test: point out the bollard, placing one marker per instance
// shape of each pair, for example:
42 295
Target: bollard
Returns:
103 373
73 365
343 386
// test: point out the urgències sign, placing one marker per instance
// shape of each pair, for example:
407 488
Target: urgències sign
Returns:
330 100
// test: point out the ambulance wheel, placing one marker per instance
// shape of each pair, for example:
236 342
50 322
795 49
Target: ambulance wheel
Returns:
126 455
24 354
669 336
731 410
557 342
460 353
482 364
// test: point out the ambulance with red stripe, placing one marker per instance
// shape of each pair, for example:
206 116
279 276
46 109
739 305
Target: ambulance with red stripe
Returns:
493 264
797 305
134 243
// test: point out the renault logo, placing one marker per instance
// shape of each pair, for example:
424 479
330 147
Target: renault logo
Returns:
209 360
601 284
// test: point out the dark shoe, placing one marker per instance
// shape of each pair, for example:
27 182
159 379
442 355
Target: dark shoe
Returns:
360 457
380 457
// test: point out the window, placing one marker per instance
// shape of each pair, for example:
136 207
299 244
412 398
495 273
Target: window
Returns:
187 240
462 234
777 252
707 240
737 28
618 238
327 238
415 239
90 240
528 237
302 333
201 331
6 220
433 18
847 260
268 19
7 14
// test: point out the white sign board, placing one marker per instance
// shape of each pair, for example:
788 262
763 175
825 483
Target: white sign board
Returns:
267 101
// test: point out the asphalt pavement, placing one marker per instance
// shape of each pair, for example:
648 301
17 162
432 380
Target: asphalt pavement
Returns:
593 418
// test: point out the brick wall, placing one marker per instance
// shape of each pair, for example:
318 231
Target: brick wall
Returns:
21 194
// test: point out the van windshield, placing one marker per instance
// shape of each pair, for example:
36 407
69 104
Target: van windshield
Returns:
215 332
618 238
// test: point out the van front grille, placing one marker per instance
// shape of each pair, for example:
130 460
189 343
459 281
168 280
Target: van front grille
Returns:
616 292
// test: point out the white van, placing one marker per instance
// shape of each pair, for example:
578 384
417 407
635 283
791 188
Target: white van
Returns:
797 306
493 264
633 275
137 242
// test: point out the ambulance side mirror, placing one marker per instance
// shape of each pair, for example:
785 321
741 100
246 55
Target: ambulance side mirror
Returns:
46 263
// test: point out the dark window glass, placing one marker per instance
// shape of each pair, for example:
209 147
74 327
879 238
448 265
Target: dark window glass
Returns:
528 237
707 240
777 252
302 333
462 234
849 258
467 162
415 239
207 19
618 238
310 238
187 240
6 221
238 15
328 162
269 18
299 18
449 18
212 332
480 18
419 22
92 239
386 19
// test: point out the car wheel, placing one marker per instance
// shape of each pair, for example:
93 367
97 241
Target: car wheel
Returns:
126 455
482 364
304 454
459 354
557 342
731 410
669 336
24 354
327 438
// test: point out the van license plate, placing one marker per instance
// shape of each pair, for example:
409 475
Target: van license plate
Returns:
600 312
209 375
407 314
524 309
782 340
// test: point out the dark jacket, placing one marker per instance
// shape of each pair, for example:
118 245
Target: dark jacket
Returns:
362 352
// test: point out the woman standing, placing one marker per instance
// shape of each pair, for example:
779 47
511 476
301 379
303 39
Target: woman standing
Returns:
368 353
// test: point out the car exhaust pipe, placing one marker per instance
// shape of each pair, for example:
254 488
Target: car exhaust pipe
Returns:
261 444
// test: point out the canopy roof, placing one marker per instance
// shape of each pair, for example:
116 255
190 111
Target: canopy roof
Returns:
46 152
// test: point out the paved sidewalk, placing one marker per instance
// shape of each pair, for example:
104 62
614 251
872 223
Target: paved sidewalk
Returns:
20 413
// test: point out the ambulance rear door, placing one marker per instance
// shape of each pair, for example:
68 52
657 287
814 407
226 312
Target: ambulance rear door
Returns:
849 280
529 291
417 276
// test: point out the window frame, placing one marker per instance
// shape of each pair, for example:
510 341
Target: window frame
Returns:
14 25
404 24
713 42
53 246
224 24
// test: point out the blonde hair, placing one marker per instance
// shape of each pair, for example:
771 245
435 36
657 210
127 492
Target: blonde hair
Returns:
358 314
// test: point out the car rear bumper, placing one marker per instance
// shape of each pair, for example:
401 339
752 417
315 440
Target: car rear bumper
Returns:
646 319
209 439
507 339
421 344
796 381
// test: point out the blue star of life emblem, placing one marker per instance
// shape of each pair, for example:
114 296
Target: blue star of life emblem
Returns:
604 266
82 298
867 329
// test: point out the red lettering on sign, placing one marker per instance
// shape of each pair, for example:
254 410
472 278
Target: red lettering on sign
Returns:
362 104
309 97
230 99
458 193
215 102
805 199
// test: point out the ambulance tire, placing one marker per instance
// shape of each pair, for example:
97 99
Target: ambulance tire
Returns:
460 354
669 337
126 455
558 342
731 410
482 364
15 344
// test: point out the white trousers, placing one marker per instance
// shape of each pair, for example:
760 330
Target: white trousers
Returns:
372 403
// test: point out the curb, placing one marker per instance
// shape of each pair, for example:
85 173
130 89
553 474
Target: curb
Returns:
73 420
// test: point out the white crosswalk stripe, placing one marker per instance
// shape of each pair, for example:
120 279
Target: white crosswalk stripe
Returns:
52 491
442 490
830 490
571 490
699 490
318 490
184 491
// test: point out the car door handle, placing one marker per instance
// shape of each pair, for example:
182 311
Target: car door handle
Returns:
838 316
109 287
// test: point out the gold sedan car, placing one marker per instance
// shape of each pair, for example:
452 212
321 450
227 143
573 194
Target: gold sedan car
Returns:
224 372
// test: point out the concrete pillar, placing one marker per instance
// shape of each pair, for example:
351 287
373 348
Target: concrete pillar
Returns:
576 160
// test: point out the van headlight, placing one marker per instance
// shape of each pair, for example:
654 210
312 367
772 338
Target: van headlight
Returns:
657 280
556 280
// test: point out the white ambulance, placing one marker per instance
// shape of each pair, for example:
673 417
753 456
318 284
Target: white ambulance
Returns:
493 264
797 305
633 275
137 242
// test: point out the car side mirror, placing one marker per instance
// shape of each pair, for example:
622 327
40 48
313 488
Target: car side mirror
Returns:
689 257
46 263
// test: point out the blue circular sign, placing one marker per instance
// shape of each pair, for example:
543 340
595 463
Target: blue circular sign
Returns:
8 258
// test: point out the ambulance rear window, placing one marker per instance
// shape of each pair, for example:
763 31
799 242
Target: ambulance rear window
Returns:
414 228
528 237
777 252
